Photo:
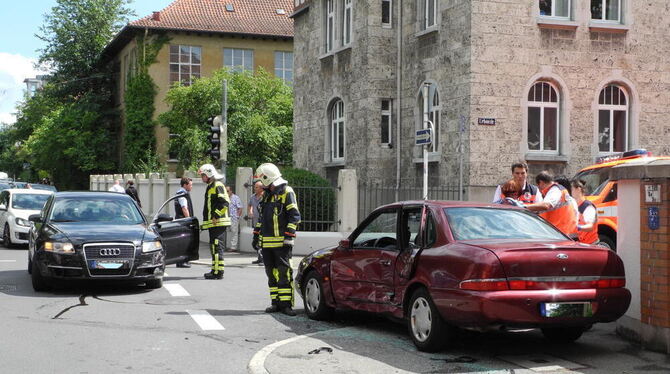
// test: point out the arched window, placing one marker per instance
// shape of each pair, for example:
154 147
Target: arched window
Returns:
433 114
543 124
612 120
336 127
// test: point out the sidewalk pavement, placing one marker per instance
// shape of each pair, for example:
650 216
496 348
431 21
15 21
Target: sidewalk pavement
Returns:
237 258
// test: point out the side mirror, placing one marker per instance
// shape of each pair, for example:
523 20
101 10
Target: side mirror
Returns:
345 244
163 218
35 218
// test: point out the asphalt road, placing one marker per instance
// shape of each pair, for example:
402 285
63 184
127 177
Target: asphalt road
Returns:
196 326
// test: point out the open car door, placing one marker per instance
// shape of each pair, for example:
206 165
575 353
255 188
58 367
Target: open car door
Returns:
180 237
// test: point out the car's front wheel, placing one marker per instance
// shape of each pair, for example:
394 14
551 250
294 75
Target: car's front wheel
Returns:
426 327
6 237
563 334
39 282
313 298
154 283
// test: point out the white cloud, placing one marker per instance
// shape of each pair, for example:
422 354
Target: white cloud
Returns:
14 69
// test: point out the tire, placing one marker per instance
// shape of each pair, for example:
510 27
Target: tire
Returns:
563 334
313 298
426 327
153 284
6 237
39 282
607 242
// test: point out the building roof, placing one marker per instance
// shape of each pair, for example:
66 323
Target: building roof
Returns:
260 18
250 17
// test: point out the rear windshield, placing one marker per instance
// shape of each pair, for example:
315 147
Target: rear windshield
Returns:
87 209
491 223
594 180
29 201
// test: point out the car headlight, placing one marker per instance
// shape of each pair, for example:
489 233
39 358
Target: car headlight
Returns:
59 247
22 222
151 246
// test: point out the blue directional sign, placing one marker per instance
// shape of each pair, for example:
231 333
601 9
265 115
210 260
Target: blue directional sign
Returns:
653 220
423 137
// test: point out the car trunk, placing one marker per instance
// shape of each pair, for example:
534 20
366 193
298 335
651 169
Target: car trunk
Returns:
558 259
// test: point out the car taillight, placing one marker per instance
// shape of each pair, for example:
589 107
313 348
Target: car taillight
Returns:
485 285
566 285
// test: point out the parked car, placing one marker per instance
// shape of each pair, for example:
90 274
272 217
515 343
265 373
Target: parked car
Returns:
16 205
440 265
46 187
105 235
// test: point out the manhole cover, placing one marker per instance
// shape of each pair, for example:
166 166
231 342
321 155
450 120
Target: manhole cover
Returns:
171 301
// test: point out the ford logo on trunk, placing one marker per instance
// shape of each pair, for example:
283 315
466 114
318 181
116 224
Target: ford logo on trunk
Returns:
562 256
110 251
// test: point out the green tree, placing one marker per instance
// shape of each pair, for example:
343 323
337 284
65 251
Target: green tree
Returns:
260 116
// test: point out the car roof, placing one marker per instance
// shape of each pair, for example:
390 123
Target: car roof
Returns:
444 204
29 191
629 160
91 194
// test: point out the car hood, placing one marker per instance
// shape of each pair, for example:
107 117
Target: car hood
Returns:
22 213
553 259
78 233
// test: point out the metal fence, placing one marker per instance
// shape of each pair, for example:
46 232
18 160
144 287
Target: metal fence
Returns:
318 208
371 196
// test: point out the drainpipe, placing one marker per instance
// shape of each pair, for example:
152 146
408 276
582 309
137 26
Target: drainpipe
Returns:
398 97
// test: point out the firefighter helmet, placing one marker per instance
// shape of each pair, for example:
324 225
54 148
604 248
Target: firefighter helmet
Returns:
210 171
269 174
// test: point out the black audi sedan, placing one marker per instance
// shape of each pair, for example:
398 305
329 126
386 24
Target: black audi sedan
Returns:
105 235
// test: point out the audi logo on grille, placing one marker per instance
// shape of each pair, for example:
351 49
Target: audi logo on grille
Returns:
110 251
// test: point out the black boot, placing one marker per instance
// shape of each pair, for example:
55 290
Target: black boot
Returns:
274 308
183 265
288 311
211 275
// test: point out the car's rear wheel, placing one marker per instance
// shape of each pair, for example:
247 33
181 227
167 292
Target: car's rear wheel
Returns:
607 242
154 283
313 298
563 334
426 327
6 237
39 282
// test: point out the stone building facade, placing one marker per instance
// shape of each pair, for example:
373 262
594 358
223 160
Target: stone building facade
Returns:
555 83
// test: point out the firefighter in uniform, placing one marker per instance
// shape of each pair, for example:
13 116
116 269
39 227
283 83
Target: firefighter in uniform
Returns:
215 217
275 232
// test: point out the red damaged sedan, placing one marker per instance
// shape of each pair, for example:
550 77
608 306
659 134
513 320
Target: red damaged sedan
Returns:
440 265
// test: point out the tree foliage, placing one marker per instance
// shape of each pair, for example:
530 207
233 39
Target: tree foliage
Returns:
260 115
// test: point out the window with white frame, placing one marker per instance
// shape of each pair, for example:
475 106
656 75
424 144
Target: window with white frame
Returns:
606 10
387 13
238 59
555 8
337 139
427 13
433 115
284 66
185 63
612 120
347 20
543 124
386 116
330 25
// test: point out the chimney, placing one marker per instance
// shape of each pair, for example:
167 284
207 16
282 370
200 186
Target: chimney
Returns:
156 16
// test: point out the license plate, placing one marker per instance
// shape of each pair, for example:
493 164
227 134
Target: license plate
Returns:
570 309
105 264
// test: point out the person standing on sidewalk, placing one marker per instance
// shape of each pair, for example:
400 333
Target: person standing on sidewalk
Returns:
275 231
235 210
183 207
215 217
253 211
587 224
529 193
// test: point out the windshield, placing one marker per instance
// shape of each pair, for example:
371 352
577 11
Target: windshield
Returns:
96 209
491 223
29 201
594 180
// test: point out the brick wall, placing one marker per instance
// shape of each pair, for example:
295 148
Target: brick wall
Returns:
655 258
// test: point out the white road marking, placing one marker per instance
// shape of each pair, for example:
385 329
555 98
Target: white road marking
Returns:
539 362
7 260
175 289
205 320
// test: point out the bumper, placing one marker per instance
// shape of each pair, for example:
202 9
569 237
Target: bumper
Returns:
73 266
522 309
19 234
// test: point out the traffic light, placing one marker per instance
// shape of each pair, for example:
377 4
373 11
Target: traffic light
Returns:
214 125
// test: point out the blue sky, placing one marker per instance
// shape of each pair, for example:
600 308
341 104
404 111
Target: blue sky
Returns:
19 22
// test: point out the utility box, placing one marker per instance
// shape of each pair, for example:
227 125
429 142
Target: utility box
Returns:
643 244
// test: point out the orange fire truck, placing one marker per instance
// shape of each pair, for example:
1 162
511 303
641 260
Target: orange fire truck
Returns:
603 192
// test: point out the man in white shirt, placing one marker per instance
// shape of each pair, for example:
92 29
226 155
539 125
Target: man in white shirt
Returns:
117 187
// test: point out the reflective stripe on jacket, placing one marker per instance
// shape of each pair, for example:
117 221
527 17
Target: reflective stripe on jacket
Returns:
562 215
528 194
279 217
588 237
216 206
